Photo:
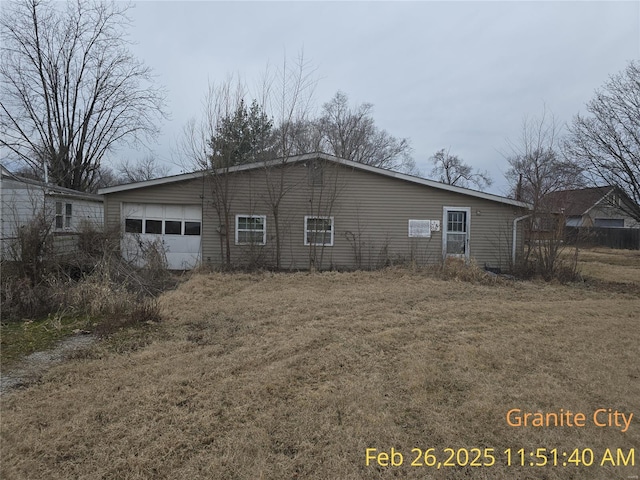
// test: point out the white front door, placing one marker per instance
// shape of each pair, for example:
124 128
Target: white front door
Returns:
455 232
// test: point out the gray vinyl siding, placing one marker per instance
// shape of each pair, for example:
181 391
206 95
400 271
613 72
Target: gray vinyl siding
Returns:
367 207
379 208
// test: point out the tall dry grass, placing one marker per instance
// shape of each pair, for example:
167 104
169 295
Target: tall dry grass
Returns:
280 376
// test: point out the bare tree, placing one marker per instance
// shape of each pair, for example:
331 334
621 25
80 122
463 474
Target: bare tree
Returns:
201 146
290 96
536 164
452 170
71 90
145 169
105 177
227 135
351 133
536 169
302 136
607 142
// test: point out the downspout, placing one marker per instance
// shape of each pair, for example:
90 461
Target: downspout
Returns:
514 242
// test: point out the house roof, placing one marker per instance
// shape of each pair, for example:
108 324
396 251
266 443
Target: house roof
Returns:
579 201
49 188
325 157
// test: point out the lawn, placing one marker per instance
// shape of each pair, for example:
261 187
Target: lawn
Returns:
290 376
610 265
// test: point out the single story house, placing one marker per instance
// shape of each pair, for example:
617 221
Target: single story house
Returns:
63 212
594 207
312 211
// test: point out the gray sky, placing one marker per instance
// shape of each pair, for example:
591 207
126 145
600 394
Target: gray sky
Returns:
458 75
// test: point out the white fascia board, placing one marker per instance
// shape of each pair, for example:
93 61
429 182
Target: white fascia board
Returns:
598 201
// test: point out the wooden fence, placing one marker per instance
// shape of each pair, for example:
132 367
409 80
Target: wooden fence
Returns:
627 238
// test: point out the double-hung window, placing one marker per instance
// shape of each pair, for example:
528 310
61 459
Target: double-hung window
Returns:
63 216
251 229
318 231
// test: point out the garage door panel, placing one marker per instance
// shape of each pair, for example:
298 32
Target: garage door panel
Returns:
154 211
182 251
133 210
174 211
193 212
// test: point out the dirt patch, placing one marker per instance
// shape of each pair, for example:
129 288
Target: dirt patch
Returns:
31 368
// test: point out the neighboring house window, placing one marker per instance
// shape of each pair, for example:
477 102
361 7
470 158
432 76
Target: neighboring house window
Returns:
68 212
609 222
318 231
251 229
63 218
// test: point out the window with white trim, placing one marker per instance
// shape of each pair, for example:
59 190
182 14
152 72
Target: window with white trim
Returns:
63 216
318 231
251 229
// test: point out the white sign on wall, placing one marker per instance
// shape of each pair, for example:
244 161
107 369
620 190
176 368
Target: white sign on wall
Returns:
435 225
420 228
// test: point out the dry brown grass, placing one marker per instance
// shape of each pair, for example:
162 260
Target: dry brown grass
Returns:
282 376
609 265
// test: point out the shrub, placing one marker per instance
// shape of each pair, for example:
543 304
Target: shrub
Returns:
458 269
94 281
550 264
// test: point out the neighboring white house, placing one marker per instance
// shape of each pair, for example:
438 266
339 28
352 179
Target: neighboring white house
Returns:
65 211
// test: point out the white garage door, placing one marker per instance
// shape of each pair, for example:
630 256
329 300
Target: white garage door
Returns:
177 228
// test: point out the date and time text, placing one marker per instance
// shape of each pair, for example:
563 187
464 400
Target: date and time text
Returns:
441 458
